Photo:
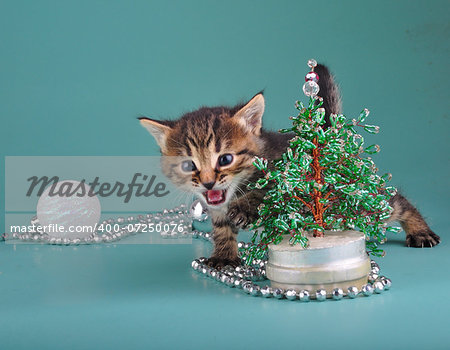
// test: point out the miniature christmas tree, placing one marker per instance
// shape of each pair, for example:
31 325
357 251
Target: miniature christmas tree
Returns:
324 181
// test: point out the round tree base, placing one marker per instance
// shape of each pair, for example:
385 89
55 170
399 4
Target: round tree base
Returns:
337 260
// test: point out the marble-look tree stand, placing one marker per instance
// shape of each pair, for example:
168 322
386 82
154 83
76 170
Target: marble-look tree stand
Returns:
337 260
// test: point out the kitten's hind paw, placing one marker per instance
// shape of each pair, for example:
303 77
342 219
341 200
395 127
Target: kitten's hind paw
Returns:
427 239
219 263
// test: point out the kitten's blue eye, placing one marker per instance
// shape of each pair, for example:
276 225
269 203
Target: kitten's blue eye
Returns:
225 159
188 166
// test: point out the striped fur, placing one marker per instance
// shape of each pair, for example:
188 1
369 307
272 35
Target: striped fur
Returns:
204 135
418 233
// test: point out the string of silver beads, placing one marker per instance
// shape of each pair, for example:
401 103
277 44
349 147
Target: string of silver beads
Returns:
244 277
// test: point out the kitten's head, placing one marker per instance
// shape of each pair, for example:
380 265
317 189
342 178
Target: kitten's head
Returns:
210 151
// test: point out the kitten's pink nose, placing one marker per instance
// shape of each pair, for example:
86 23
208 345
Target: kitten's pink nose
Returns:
209 185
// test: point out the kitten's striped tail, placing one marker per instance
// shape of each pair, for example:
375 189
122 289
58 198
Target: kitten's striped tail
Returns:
329 91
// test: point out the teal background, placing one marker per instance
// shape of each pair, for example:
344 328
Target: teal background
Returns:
75 75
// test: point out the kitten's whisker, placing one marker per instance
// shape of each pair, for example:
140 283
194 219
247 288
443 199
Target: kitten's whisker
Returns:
244 195
180 197
184 197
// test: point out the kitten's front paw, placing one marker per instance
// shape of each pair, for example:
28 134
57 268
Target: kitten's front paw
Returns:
219 263
240 217
427 239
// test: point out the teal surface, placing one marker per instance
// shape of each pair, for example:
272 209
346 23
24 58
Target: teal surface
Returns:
74 75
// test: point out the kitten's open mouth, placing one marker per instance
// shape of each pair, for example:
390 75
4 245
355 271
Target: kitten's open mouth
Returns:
215 197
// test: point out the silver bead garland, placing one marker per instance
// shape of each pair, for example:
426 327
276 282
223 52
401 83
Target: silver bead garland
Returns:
246 276
241 277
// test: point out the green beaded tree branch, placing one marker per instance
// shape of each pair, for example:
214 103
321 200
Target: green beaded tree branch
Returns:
324 181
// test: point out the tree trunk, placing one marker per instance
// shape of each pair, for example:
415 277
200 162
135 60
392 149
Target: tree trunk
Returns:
317 195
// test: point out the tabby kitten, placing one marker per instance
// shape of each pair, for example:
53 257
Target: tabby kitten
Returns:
210 152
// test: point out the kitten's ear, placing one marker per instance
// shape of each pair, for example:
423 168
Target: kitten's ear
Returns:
250 116
158 129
